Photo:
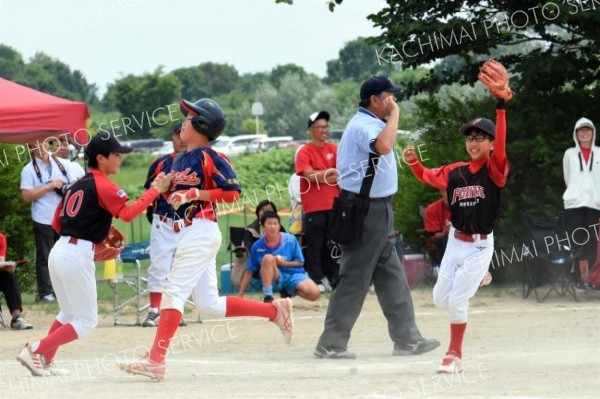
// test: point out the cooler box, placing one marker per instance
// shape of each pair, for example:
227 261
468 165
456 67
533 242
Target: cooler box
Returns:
414 265
226 287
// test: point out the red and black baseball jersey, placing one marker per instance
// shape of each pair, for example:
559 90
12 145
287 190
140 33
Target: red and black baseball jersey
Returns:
473 188
88 207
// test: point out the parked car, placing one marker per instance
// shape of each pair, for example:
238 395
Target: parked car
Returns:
167 148
145 145
235 145
266 143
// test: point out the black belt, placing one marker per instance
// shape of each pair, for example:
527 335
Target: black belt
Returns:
350 195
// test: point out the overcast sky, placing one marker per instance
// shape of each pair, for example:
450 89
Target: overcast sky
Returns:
106 39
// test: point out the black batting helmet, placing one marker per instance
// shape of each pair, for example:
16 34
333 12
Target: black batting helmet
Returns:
209 119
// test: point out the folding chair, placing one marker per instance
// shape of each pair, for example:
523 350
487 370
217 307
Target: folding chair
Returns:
545 263
132 253
238 256
2 323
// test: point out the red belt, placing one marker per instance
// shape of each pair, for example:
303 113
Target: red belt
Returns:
180 225
459 235
165 219
74 241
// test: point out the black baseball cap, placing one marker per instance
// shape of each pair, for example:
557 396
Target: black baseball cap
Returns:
376 85
176 129
316 116
104 144
483 124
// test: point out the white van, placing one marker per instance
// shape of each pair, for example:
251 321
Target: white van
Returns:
266 143
235 145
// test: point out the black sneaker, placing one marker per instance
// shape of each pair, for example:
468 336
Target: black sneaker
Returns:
182 323
580 286
324 353
284 294
268 299
152 319
419 347
19 323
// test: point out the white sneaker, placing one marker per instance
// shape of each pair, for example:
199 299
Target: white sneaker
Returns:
326 284
284 319
32 362
48 298
321 288
451 364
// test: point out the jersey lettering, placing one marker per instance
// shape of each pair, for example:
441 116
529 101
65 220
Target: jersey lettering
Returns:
185 177
470 192
73 203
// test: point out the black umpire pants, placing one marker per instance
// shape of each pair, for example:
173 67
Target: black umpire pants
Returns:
373 258
45 237
319 262
10 288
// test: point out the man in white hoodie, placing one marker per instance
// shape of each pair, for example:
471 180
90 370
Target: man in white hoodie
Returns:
581 168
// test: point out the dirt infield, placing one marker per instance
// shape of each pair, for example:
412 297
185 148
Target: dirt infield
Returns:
515 348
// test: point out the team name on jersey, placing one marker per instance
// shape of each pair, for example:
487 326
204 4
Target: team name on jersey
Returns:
185 178
469 192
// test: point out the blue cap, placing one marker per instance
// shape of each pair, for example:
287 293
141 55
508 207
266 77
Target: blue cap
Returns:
377 85
483 124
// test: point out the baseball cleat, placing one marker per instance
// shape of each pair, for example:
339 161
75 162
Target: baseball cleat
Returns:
145 367
416 348
284 318
451 364
32 362
54 370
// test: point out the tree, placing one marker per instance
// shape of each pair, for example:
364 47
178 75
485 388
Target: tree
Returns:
48 75
566 37
280 71
357 60
192 81
11 62
287 110
249 126
143 102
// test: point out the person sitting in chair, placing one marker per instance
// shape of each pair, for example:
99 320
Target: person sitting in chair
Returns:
279 258
10 288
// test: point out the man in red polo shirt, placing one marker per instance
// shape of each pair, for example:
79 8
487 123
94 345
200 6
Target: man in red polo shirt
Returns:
315 164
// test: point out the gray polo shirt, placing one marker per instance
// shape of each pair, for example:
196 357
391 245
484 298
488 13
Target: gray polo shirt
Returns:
353 156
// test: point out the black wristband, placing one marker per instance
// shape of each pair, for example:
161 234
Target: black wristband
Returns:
500 103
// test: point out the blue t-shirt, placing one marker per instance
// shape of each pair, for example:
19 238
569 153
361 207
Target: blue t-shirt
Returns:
288 248
353 157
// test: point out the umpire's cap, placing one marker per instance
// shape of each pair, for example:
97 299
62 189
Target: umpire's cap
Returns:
209 119
483 124
377 85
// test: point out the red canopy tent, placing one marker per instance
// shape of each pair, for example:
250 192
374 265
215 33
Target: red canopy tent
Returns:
27 115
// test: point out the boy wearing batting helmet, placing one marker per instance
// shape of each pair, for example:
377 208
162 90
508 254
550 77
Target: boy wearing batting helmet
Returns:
473 190
83 219
201 178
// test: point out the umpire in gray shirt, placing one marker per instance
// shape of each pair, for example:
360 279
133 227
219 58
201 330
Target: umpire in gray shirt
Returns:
373 256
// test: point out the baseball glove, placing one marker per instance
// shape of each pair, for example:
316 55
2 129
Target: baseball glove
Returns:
110 247
495 77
